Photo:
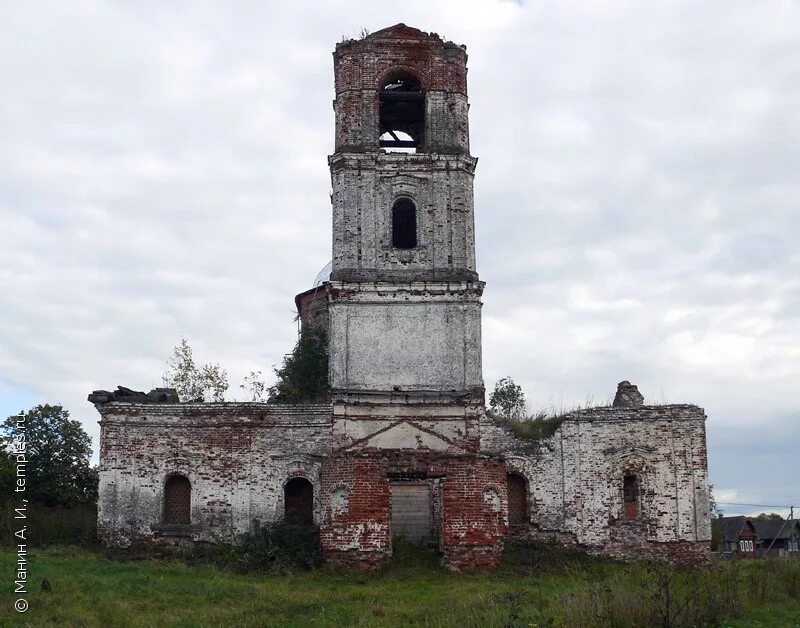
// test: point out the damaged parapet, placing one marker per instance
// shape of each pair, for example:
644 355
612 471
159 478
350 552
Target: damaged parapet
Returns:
126 395
628 395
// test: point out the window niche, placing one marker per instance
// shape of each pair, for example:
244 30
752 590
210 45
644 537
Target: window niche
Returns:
177 500
402 113
404 224
630 496
517 499
340 502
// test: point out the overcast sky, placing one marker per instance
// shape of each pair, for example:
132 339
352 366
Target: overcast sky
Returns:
163 174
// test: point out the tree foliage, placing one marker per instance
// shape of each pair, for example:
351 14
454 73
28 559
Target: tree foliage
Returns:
768 516
303 375
255 387
508 400
207 382
57 451
713 507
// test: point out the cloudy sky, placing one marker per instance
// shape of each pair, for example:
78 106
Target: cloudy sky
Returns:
163 174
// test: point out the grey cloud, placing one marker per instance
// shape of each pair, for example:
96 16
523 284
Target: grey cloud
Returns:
163 173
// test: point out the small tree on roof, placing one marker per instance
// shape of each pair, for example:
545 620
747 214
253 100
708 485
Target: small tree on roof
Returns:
207 382
507 400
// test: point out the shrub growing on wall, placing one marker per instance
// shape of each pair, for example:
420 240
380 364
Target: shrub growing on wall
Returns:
303 375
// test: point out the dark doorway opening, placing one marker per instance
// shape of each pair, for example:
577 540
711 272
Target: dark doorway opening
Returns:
298 499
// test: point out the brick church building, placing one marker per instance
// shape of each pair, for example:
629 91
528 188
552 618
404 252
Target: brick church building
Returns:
404 447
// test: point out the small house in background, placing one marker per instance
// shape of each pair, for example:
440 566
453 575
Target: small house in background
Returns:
737 536
777 537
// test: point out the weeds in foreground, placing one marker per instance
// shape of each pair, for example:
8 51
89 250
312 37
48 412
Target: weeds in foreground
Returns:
536 585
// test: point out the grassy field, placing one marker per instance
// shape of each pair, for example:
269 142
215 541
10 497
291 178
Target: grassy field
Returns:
535 587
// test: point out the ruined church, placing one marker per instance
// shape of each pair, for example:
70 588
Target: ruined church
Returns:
404 447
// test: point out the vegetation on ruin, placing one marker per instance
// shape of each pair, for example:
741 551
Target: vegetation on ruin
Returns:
508 407
536 586
507 400
207 382
303 375
537 427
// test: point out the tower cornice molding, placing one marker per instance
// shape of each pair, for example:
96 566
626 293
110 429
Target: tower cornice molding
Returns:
402 163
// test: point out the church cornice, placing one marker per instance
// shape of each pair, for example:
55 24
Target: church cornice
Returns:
402 163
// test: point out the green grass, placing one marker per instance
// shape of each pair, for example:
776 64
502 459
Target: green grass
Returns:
784 615
534 587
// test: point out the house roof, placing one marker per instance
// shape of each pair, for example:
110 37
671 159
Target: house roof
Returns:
730 527
775 529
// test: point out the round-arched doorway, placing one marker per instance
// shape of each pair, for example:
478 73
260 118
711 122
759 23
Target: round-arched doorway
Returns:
298 500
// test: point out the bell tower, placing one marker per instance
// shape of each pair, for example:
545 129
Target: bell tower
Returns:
404 312
404 296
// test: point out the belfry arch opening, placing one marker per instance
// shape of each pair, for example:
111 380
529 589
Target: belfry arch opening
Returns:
404 224
402 113
298 501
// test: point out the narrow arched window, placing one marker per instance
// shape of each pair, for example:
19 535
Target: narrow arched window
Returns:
402 113
177 500
298 501
517 499
630 495
404 224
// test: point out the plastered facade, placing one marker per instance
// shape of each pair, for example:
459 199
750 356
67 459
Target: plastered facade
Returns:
575 477
403 326
237 456
405 337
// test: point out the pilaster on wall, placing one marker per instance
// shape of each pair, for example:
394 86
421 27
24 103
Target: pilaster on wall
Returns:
474 514
356 512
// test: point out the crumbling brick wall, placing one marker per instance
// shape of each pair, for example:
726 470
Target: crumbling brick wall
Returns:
469 509
361 66
575 480
356 524
474 514
237 457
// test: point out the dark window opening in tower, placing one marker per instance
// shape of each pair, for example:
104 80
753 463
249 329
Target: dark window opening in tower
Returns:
630 495
402 114
404 224
298 501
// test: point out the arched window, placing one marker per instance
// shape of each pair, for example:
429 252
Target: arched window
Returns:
177 500
404 224
402 113
630 495
517 499
298 500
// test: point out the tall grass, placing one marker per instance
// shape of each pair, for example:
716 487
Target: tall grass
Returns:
535 586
